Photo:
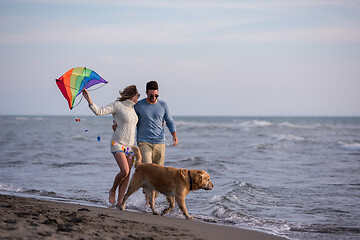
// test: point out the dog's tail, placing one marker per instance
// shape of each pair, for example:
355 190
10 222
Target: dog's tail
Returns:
136 150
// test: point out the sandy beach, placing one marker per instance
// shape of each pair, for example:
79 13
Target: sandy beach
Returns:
27 218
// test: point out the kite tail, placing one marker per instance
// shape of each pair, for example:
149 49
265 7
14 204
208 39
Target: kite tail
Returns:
136 150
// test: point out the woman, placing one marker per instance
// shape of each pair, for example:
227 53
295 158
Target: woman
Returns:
123 137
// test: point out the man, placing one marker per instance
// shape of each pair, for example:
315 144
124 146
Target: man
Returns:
152 114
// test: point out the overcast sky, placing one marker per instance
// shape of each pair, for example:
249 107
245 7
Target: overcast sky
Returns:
214 57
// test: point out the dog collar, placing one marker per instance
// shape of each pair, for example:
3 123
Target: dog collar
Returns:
190 181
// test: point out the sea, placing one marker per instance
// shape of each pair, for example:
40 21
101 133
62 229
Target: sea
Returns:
297 177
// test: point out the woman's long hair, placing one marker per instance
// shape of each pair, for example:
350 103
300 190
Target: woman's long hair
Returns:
127 93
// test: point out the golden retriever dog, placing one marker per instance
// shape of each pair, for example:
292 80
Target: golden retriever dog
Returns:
174 183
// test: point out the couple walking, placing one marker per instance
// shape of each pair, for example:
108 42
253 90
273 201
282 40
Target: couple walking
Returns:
145 119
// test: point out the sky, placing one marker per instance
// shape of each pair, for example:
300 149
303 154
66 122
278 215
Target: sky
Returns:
210 58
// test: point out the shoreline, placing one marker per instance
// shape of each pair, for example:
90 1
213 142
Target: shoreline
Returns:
30 218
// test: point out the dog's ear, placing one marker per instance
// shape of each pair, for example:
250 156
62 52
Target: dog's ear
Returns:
184 173
198 179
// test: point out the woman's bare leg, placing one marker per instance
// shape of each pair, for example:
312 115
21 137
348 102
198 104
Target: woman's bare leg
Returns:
123 185
122 162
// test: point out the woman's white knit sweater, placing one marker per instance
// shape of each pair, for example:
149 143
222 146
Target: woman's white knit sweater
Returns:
126 119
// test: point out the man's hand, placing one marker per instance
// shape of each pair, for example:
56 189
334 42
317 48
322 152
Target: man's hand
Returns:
175 139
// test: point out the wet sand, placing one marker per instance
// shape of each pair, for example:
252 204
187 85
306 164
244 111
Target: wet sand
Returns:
27 218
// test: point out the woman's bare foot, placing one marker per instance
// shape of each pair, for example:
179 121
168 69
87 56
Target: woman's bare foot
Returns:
112 196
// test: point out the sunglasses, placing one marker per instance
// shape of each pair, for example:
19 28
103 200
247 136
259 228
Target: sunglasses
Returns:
153 96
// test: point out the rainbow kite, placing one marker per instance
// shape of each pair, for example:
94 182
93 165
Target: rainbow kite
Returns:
75 80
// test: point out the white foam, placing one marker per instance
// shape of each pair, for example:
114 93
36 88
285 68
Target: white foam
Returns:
256 123
243 125
352 146
10 188
264 146
289 137
215 199
297 126
243 184
290 125
220 212
234 198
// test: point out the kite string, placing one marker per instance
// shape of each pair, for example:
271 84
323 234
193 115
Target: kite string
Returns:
79 101
93 89
81 94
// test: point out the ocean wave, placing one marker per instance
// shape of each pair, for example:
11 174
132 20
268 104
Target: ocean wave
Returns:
264 146
192 162
45 156
80 138
22 118
69 164
12 163
246 125
10 188
27 118
292 138
325 228
195 125
350 146
236 125
240 194
245 187
309 126
14 189
225 215
298 126
42 193
255 123
223 212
